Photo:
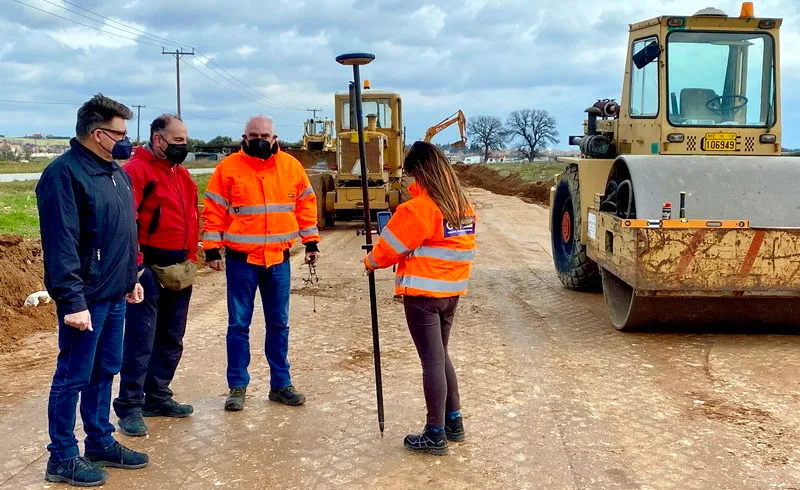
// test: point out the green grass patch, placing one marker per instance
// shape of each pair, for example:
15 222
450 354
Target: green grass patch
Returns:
202 163
202 183
20 216
22 168
18 211
532 171
39 166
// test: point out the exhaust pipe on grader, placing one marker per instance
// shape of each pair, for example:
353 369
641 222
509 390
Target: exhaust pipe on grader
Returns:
698 124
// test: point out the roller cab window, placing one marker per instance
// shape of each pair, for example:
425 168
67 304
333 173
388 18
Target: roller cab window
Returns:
644 78
721 79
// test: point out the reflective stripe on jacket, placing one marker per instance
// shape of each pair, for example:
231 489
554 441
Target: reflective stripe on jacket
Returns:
259 207
434 258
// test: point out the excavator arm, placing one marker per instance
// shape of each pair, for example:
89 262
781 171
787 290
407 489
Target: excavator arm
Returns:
459 118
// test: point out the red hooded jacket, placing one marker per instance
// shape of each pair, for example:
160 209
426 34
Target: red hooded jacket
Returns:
165 197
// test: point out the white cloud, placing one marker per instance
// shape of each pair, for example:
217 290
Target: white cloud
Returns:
430 19
246 50
85 39
481 56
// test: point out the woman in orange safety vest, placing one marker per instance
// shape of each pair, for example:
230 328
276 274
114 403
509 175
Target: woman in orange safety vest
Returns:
432 239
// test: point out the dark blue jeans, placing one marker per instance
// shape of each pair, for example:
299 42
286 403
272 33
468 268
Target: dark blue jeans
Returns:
87 363
153 346
275 286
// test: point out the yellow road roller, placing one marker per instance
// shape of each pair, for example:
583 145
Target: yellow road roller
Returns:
681 206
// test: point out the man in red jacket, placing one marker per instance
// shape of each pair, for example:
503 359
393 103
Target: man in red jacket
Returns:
165 197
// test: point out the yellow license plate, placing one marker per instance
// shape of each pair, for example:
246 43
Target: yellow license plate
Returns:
719 142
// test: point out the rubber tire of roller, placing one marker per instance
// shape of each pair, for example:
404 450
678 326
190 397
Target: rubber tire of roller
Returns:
574 268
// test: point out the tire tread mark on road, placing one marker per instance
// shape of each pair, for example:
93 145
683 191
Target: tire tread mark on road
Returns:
497 280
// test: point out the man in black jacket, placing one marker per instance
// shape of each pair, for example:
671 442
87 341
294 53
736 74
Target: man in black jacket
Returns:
88 230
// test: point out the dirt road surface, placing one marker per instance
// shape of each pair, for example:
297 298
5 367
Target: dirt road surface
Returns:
553 396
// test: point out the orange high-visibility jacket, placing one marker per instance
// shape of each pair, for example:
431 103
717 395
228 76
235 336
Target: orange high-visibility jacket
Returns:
259 207
434 257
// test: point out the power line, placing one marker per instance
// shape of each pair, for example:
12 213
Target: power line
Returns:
37 102
125 29
192 115
109 19
133 30
85 25
252 90
161 109
228 88
231 78
250 93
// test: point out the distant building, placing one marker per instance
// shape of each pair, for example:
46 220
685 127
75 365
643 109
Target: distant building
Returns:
473 159
499 158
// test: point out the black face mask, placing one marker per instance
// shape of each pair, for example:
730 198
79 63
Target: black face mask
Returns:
259 148
176 153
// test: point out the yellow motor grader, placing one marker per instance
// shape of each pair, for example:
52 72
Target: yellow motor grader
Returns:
681 206
383 138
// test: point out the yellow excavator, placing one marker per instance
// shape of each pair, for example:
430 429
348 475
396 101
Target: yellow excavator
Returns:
681 206
457 117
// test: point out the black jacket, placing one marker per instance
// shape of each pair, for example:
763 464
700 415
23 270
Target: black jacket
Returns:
88 229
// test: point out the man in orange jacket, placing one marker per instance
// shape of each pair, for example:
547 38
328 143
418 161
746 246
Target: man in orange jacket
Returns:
257 203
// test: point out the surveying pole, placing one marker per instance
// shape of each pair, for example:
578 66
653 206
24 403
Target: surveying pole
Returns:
178 53
355 60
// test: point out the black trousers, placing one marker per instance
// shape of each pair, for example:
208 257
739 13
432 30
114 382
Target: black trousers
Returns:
429 321
152 346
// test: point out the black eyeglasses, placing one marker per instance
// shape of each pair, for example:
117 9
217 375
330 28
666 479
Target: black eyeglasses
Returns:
121 134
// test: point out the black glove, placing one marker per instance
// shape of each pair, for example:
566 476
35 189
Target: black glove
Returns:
213 254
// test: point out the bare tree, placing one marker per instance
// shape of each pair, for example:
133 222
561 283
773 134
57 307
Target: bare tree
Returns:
533 129
487 133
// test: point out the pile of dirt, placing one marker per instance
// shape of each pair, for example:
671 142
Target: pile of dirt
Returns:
22 274
506 184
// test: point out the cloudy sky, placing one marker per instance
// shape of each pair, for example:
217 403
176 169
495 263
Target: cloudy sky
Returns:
481 56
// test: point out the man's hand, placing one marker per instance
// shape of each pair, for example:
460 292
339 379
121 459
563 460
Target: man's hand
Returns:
312 258
216 265
137 295
81 320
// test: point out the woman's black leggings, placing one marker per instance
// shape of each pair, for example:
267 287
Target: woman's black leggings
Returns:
429 321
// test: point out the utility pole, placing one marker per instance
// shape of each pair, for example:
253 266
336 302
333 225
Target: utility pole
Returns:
138 120
315 111
177 54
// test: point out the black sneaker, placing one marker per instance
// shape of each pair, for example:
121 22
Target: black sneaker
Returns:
118 456
133 425
454 429
428 442
287 396
169 408
235 401
78 471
